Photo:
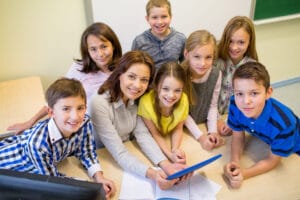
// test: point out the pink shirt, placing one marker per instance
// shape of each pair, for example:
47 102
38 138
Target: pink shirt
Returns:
90 81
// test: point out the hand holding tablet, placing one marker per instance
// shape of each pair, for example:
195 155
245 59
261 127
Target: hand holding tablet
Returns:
193 167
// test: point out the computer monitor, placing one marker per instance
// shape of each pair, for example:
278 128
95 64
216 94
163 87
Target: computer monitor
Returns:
27 186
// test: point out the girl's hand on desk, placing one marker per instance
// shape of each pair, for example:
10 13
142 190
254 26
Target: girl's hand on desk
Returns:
223 128
210 141
178 156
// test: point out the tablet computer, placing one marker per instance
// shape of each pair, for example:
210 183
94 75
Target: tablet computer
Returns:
193 167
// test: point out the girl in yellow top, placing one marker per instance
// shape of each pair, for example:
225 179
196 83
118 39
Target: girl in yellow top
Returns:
165 108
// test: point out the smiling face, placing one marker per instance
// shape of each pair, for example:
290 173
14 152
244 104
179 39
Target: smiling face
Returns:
134 81
239 42
68 114
100 51
159 20
200 59
170 92
250 97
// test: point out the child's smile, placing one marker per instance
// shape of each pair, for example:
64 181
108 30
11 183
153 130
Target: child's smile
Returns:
170 92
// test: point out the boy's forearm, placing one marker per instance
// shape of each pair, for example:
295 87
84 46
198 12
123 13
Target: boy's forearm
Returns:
237 145
262 166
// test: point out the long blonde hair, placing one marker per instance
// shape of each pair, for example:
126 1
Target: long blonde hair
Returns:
196 39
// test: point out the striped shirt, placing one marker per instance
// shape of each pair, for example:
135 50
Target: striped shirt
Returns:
277 126
39 149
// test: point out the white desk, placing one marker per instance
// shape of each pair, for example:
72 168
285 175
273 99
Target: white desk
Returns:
281 183
19 100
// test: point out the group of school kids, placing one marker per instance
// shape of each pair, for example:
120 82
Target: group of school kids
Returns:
197 80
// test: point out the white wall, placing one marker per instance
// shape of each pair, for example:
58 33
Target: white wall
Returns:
42 37
127 18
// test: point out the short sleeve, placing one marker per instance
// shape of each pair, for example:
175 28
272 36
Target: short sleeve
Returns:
286 141
182 111
233 116
146 107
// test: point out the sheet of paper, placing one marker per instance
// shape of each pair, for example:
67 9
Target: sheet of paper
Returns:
197 187
203 188
136 187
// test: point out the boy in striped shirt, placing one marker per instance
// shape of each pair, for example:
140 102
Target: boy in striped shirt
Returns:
67 132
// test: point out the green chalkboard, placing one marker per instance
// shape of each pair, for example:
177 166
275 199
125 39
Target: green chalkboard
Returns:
265 9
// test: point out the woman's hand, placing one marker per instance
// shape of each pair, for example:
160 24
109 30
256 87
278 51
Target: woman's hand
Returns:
162 182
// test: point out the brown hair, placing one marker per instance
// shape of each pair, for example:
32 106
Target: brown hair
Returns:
63 88
233 25
112 84
169 69
104 33
255 71
159 4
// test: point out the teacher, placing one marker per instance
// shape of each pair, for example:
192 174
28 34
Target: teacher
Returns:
114 115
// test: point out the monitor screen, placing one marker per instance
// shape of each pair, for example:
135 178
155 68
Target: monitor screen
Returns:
27 186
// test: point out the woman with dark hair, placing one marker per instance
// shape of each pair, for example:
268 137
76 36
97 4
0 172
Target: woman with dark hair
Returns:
114 114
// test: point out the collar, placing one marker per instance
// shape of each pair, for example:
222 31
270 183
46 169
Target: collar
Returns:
203 78
149 33
266 113
244 60
120 103
54 132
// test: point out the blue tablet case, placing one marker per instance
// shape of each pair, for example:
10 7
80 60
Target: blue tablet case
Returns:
193 167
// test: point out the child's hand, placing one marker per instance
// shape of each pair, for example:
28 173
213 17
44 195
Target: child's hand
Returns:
109 188
178 156
18 128
223 128
108 185
233 174
210 141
